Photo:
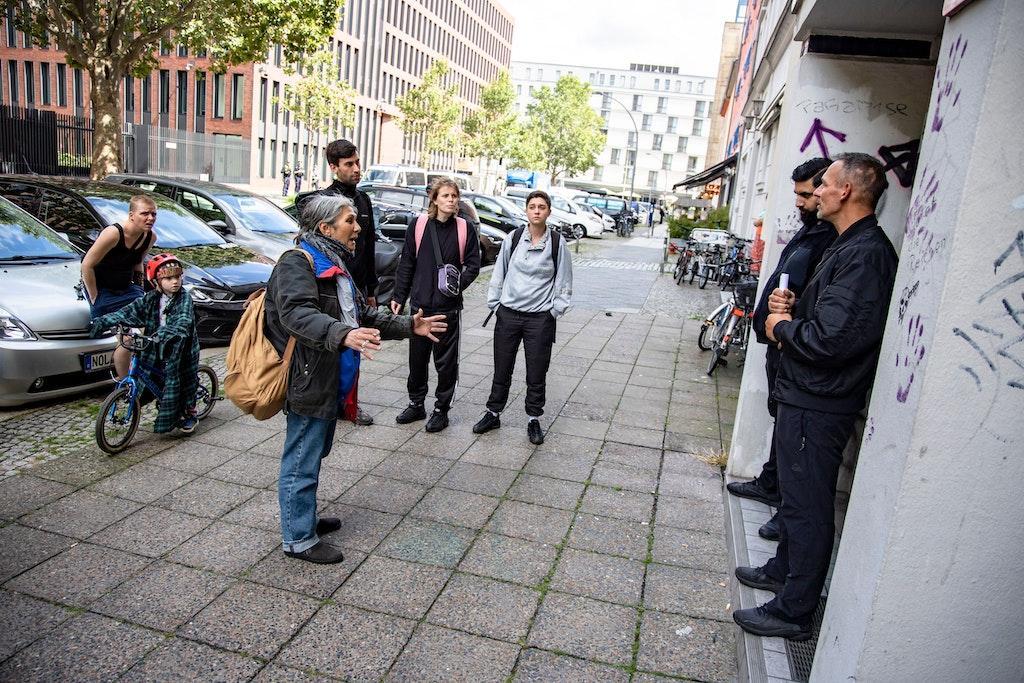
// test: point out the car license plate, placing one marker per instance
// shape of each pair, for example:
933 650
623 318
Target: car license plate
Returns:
101 360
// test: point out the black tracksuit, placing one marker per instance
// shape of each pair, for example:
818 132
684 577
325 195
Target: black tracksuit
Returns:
799 259
829 354
417 280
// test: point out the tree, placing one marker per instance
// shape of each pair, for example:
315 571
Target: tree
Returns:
431 111
320 96
492 131
111 39
526 149
569 131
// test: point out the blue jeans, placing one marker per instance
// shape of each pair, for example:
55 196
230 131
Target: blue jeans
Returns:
307 441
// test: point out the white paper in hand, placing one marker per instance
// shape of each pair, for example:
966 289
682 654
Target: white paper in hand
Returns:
784 281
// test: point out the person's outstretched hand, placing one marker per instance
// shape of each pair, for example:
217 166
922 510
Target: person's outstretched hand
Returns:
365 340
426 326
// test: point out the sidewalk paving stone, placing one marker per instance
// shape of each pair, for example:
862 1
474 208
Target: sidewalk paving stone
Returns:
538 666
687 591
509 559
687 513
262 511
194 457
618 475
383 584
80 575
529 521
574 467
315 580
610 502
361 529
461 508
184 660
20 495
557 493
384 495
603 577
483 479
585 628
151 531
416 469
249 469
206 497
226 548
80 514
239 436
683 646
427 542
686 548
612 536
143 483
439 655
24 619
485 607
24 548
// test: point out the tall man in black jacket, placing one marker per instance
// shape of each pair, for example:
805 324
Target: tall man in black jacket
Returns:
417 279
343 160
830 339
798 261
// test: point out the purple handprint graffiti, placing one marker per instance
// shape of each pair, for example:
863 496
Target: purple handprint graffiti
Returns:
909 357
946 87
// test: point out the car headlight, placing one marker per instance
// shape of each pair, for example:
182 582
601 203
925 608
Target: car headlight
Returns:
12 329
204 294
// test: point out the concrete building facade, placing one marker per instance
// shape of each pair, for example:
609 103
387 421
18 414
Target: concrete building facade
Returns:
657 121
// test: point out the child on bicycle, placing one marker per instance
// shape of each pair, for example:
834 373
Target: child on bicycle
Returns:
165 313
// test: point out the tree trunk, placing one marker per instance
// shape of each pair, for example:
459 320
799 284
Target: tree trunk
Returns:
105 96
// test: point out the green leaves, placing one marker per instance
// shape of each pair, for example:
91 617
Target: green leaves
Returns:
492 132
431 110
568 132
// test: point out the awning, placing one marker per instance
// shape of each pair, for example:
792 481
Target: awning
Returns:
708 174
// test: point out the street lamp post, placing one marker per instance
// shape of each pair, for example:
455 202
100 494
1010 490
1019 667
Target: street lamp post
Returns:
636 132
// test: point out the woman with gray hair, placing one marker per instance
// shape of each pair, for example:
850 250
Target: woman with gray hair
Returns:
311 298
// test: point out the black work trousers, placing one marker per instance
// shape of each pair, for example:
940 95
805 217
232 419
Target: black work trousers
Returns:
810 448
536 331
769 477
446 362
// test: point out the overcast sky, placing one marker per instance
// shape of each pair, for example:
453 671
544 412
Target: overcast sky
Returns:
614 34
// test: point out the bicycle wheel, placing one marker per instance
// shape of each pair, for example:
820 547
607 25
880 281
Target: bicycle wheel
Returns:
702 338
716 359
704 275
206 394
693 271
118 421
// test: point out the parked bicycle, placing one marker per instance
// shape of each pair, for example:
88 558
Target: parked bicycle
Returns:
682 267
733 330
121 411
708 264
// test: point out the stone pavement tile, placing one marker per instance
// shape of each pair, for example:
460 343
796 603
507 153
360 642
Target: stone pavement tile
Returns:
446 444
485 607
226 548
427 542
81 514
573 426
509 559
385 495
193 456
585 628
183 660
236 435
416 469
608 502
435 654
565 445
87 648
249 469
162 597
532 522
354 457
688 591
688 486
493 452
637 436
489 481
334 481
24 547
561 466
639 416
151 531
274 446
598 400
79 575
617 475
80 468
687 513
686 548
640 457
262 511
25 493
686 463
143 483
683 413
538 666
361 529
612 536
206 497
685 443
315 580
272 673
381 584
684 646
378 436
255 620
557 493
348 643
585 411
470 510
613 579
705 429
24 619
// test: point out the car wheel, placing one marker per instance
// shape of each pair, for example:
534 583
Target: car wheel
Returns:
579 231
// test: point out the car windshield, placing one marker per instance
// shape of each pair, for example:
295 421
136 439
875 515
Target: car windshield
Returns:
382 176
510 206
175 226
23 238
258 214
562 205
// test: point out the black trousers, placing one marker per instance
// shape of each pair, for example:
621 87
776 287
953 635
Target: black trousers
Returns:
536 331
769 477
810 448
446 363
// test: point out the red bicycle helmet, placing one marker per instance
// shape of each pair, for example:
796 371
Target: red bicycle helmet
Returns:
159 262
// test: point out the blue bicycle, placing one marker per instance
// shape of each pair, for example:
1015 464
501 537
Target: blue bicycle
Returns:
119 416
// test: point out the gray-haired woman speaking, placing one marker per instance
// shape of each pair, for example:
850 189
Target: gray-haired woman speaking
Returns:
311 297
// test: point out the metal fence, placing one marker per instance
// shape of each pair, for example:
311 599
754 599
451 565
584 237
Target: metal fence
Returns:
183 154
44 142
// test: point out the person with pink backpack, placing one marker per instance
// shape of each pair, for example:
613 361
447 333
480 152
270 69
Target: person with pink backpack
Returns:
441 257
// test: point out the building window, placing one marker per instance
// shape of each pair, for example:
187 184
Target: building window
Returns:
600 79
630 157
691 164
165 91
147 95
646 124
606 100
672 121
700 87
662 105
129 94
666 162
698 108
182 93
652 178
218 96
200 94
606 114
598 172
30 85
182 51
263 100
657 84
273 158
679 85
275 104
632 81
681 147
656 145
165 49
593 78
237 96
79 88
261 146
62 85
540 74
631 139
638 102
44 82
12 33
615 157
698 126
12 81
519 89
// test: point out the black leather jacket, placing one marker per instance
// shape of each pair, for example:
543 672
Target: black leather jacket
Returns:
301 305
830 348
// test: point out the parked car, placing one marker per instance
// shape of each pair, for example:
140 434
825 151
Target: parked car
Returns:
45 347
615 207
607 221
503 215
394 174
583 223
219 275
556 221
490 244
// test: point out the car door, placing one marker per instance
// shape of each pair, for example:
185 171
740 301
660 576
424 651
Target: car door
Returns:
209 212
67 214
22 195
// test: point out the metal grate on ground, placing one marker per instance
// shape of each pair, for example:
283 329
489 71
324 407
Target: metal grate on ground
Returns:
801 654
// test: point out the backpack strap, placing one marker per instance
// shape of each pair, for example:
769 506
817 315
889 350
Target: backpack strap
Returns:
556 241
517 237
463 230
421 225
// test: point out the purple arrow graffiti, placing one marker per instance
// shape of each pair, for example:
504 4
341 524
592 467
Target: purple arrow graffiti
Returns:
817 131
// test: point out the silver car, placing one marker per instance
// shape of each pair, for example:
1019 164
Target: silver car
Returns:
45 348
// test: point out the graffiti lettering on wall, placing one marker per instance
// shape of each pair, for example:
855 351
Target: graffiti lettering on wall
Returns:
923 243
787 226
817 134
946 87
901 160
871 109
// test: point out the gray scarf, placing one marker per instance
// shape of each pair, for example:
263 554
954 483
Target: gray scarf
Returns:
331 248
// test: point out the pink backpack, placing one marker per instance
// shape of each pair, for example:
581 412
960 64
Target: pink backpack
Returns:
460 226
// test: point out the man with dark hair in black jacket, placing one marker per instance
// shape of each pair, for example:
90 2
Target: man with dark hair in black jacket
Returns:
343 160
830 338
798 261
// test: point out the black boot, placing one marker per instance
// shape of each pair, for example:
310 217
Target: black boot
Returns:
488 422
438 420
535 433
756 577
758 621
769 531
412 412
753 490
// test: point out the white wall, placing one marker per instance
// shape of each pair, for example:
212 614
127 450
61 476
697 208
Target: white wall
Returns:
928 579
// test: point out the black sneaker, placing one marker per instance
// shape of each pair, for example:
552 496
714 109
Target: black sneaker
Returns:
535 433
321 553
363 418
753 490
758 621
438 421
412 412
769 531
756 577
488 422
